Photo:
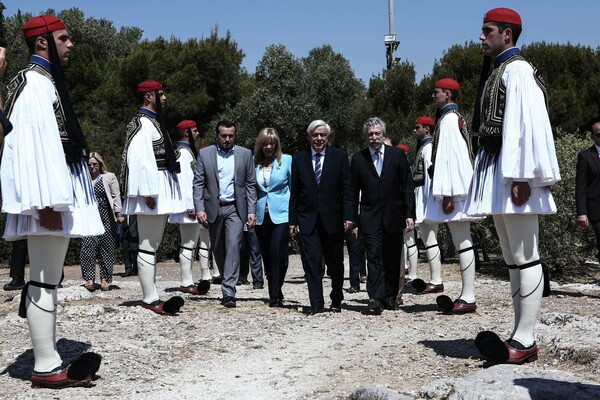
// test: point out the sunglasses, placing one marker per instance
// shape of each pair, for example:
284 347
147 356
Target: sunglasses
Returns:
93 165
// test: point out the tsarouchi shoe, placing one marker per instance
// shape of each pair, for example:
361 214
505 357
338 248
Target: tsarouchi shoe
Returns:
457 306
79 373
520 355
431 288
191 289
169 307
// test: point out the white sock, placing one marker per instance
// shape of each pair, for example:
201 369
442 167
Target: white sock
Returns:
189 235
46 257
461 237
412 253
204 247
434 256
532 287
185 262
147 274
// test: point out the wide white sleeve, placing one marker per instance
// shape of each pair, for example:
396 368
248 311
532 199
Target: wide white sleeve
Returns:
141 163
528 152
186 179
453 170
34 172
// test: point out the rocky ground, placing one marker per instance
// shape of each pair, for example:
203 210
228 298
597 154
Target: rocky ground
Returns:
257 352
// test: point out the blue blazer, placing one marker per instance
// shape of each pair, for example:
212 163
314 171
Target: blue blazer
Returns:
277 195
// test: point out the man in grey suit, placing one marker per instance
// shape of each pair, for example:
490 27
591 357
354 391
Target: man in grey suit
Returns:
225 200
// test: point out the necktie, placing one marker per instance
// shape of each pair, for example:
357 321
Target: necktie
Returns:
377 159
318 168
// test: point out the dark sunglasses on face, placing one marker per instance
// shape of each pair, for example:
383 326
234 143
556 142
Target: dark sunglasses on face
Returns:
93 165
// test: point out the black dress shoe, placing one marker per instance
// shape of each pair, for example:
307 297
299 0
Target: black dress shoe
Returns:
336 307
229 302
217 280
14 285
354 289
257 286
242 281
391 305
315 311
375 306
276 303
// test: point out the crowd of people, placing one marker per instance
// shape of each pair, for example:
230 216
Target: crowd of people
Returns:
229 201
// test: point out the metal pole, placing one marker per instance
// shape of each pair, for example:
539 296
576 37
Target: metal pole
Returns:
391 46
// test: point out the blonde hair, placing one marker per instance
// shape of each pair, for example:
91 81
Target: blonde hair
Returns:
100 160
266 135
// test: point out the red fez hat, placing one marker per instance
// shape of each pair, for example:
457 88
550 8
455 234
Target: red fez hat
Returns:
185 124
41 25
447 83
148 86
404 147
505 15
425 120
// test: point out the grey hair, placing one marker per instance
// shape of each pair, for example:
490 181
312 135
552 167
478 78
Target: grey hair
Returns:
315 124
372 122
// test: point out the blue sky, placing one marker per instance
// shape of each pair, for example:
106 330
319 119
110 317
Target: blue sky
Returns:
355 28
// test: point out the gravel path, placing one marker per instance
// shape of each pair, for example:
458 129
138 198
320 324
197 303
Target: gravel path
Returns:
257 352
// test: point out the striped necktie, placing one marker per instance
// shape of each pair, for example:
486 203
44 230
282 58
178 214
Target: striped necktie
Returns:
318 168
377 159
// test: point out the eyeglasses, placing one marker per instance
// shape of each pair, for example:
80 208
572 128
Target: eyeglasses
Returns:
93 165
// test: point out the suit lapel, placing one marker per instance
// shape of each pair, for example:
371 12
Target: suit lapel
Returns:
386 160
215 164
369 161
275 173
595 157
309 167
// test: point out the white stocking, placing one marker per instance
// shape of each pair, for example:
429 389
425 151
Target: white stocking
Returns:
522 236
189 234
429 236
411 253
150 230
204 248
46 258
461 237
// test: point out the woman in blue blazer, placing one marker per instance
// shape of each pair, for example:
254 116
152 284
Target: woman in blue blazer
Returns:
273 179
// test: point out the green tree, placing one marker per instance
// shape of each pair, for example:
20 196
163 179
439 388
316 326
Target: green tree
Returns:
572 76
289 93
562 244
392 97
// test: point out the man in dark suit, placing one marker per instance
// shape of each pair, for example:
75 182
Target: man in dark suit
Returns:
225 200
321 208
382 175
587 186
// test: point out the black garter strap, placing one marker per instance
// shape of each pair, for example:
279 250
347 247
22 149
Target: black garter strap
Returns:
25 295
529 265
410 247
187 248
432 246
467 249
147 252
512 266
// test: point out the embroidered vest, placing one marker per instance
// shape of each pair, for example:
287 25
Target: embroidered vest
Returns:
418 171
15 87
493 104
158 146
